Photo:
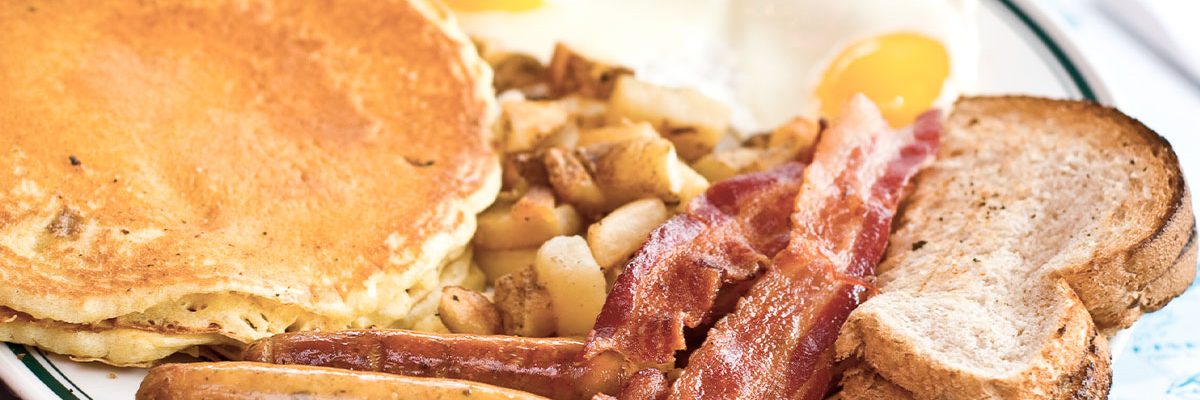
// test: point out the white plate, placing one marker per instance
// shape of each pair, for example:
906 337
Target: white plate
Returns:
1024 53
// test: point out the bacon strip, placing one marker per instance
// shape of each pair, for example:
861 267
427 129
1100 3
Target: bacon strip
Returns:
546 367
726 236
777 343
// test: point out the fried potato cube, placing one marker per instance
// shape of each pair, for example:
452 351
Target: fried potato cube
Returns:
634 169
692 121
498 263
572 181
573 279
525 124
524 305
522 170
586 112
466 311
430 323
725 164
693 185
527 223
572 73
797 133
566 137
757 141
516 71
617 133
620 233
792 141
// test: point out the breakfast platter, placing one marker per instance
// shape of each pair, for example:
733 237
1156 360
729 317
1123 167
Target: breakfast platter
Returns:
991 47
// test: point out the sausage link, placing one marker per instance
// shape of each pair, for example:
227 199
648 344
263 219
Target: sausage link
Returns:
251 380
546 366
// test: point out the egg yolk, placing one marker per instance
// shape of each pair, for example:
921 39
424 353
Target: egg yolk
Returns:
493 5
901 72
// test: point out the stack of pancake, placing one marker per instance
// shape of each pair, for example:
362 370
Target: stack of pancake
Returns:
184 175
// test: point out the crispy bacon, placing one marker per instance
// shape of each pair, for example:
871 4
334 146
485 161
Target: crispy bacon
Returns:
647 384
546 367
726 236
777 343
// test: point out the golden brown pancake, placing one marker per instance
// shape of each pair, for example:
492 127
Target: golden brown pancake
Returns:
212 172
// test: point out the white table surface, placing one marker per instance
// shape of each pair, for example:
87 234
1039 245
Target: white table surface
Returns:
1163 360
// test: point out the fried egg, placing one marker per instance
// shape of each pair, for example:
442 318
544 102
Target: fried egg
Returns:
907 56
769 60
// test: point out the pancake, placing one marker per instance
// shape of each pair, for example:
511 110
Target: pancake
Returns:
210 173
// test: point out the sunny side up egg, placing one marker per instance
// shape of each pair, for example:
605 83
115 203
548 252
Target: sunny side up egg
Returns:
770 60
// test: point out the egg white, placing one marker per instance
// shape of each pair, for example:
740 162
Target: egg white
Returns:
785 46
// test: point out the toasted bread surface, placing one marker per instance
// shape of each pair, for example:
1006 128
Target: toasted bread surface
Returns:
293 163
1043 226
1091 380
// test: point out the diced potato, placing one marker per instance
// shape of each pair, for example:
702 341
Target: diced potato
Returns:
796 136
727 163
566 137
572 73
510 195
431 323
475 280
633 169
466 311
516 71
619 234
572 181
692 121
497 263
521 171
527 123
527 223
694 185
792 141
538 204
524 305
772 158
617 133
535 204
757 141
576 284
587 112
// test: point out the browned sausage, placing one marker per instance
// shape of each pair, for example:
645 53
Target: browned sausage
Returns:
250 380
545 366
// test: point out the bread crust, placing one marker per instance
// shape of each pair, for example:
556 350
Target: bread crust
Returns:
1091 380
1120 286
1144 257
1147 271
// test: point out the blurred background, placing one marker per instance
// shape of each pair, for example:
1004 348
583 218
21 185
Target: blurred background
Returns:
1148 54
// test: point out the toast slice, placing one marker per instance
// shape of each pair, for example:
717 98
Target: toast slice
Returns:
1044 226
